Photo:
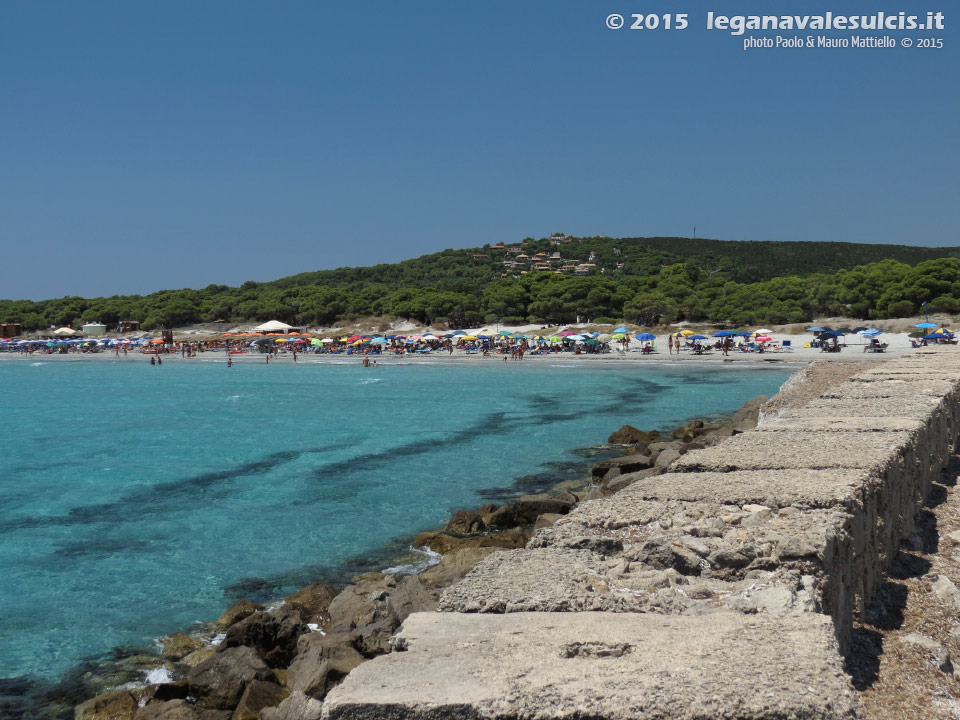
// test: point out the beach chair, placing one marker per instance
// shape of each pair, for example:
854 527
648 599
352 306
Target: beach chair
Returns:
787 346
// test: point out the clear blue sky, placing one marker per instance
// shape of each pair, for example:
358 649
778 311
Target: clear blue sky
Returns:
150 145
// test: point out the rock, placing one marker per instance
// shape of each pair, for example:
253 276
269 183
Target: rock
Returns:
165 691
443 543
464 523
726 556
116 705
546 520
257 696
313 601
659 553
179 645
296 707
759 510
688 432
529 507
272 634
219 682
198 656
939 655
626 464
746 417
947 591
503 517
172 710
359 605
236 612
453 567
321 663
955 536
667 456
411 596
627 435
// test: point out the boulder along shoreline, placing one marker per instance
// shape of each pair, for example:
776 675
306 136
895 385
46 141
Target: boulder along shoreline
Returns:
254 658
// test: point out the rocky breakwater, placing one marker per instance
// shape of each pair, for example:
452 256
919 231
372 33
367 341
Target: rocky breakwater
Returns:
723 587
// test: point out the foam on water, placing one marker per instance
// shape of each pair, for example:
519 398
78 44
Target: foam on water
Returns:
147 497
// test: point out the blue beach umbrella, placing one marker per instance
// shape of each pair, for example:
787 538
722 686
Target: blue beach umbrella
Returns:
697 337
621 330
644 337
815 329
925 325
459 332
936 336
870 332
723 333
743 333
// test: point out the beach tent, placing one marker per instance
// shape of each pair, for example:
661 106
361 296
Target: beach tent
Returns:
273 326
65 332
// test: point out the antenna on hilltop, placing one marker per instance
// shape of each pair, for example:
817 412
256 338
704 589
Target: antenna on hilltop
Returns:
694 232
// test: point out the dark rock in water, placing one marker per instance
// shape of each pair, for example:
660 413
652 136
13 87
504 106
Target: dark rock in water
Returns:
238 611
464 523
116 705
486 509
321 663
628 435
15 687
314 600
296 707
690 431
218 682
272 634
528 508
172 710
256 696
246 588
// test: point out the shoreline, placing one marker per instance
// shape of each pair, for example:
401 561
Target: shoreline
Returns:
213 629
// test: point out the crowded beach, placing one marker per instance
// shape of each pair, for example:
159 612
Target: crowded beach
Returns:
275 340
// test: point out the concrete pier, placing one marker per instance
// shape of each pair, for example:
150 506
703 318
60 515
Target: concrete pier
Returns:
725 588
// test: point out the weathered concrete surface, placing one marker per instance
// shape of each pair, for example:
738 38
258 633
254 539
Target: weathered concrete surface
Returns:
723 588
602 665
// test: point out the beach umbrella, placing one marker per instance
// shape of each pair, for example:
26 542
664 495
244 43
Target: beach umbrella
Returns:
833 333
567 333
870 332
555 338
646 337
604 337
925 325
723 333
697 337
468 338
504 333
327 340
592 341
846 330
575 338
459 332
621 330
763 331
816 329
763 338
316 341
931 336
378 341
428 336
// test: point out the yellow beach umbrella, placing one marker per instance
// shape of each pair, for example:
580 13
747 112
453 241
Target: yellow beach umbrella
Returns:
468 338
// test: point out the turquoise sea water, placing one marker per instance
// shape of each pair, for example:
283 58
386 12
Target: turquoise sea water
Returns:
136 500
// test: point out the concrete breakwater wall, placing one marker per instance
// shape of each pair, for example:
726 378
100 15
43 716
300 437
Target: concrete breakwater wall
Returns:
726 587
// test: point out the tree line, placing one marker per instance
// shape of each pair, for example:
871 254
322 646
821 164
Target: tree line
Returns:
687 290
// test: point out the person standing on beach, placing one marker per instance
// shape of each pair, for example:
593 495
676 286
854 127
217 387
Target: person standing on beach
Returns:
670 344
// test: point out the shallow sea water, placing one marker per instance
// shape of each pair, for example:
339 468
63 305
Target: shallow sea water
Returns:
137 500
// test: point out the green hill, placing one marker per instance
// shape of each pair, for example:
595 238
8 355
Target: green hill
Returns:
561 279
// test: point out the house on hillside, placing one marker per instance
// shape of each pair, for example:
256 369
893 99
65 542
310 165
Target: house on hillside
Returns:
499 246
541 266
481 256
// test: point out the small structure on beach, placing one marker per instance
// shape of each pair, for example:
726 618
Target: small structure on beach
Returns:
9 330
94 329
273 326
126 326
